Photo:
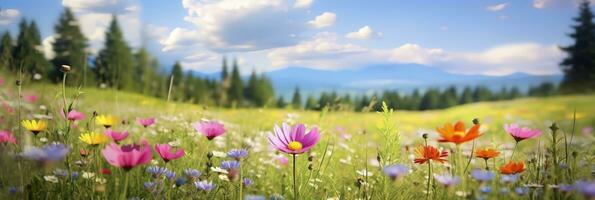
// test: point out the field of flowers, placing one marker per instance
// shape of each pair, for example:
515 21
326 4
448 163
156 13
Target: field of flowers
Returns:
104 144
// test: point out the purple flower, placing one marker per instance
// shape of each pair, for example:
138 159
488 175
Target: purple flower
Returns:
50 152
254 197
521 190
149 185
156 170
585 188
230 164
485 189
509 178
396 171
210 129
293 140
521 133
482 175
204 185
565 187
247 182
170 174
447 179
192 173
237 153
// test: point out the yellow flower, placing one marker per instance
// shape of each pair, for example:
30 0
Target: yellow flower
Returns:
106 120
34 126
93 138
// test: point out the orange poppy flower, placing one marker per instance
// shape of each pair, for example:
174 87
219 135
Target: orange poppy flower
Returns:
456 134
426 153
512 168
486 153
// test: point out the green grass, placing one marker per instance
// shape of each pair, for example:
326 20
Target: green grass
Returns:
335 160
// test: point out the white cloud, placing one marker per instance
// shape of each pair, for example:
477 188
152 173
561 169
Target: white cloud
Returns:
364 33
542 4
103 6
8 16
48 50
323 20
497 7
303 3
325 52
539 4
179 39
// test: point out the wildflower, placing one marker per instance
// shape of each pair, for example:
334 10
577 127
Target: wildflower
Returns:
254 197
75 115
170 174
485 189
210 129
146 122
115 135
482 175
509 178
74 175
486 153
156 171
192 173
84 152
447 179
31 98
396 171
247 182
127 156
180 181
293 140
364 172
60 172
587 189
565 187
51 178
456 134
35 126
282 160
512 168
230 164
6 137
105 171
521 190
149 185
426 153
520 134
50 152
106 121
204 185
165 151
237 153
93 138
65 68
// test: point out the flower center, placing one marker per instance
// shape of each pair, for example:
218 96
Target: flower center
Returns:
294 145
459 133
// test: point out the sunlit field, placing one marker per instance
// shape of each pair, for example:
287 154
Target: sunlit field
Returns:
358 155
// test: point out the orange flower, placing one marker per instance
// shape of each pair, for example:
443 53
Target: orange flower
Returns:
512 168
456 134
426 153
486 153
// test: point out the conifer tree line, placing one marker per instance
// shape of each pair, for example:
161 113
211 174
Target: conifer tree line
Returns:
117 65
430 99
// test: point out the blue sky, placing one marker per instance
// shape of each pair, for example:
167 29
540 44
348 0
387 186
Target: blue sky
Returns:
470 37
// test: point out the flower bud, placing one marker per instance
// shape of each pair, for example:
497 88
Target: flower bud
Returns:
476 121
65 68
425 136
311 158
209 155
18 82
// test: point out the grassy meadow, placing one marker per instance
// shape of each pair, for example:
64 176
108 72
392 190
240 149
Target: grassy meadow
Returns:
347 162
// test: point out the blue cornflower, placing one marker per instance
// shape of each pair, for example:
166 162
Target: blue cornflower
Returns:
192 173
180 181
170 174
521 190
509 178
447 179
237 153
49 152
254 197
585 188
60 173
482 175
247 182
156 170
396 171
230 164
485 189
149 185
204 185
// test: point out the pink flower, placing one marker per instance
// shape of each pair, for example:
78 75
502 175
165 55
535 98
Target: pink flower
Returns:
587 130
127 156
75 115
6 137
211 129
293 140
146 122
116 136
164 150
31 98
282 160
520 134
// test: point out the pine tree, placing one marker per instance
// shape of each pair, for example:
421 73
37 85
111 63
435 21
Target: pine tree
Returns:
296 100
265 94
251 90
514 93
466 96
177 86
430 100
114 64
236 89
27 53
579 66
6 47
281 102
448 98
69 49
144 71
311 103
224 70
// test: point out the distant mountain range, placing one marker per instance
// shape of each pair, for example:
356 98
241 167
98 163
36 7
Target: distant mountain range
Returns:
401 77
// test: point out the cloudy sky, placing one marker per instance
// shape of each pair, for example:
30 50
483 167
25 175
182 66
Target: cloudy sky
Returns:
461 36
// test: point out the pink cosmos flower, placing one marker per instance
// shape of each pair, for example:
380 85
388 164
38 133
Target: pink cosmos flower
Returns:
75 115
164 150
128 156
6 137
293 140
210 129
116 136
31 98
146 122
282 160
520 134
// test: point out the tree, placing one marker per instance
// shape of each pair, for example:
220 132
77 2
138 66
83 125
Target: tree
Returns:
6 52
281 102
311 103
69 49
579 65
236 88
448 98
250 92
466 96
177 86
26 53
296 100
114 64
430 100
144 71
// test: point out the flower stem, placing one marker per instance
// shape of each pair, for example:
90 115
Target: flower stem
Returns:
429 179
295 192
123 196
514 150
